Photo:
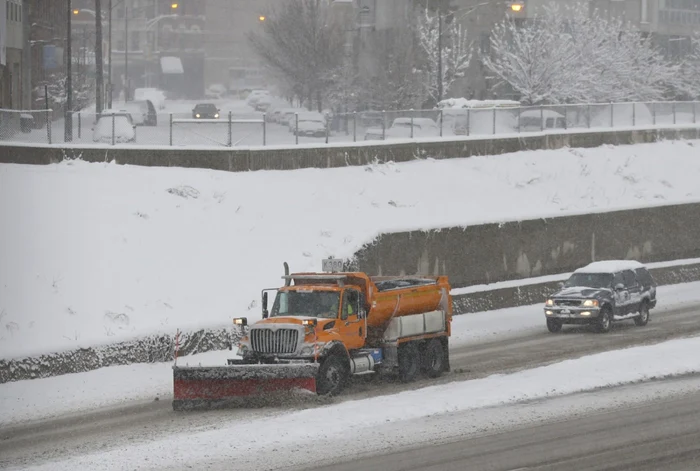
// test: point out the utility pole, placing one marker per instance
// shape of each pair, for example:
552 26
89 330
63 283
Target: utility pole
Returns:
439 67
26 58
99 65
126 53
109 65
68 110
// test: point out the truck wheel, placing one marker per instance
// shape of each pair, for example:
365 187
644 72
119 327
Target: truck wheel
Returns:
554 325
409 362
643 317
604 320
434 358
332 376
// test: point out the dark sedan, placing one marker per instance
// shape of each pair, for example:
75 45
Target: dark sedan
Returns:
205 111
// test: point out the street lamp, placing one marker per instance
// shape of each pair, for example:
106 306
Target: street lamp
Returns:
261 18
174 6
68 116
516 7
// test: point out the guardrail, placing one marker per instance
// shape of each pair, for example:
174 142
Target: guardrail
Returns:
301 127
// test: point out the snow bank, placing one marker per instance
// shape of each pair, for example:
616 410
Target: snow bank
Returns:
244 438
94 254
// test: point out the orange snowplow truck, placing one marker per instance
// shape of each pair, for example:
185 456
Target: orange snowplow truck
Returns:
325 327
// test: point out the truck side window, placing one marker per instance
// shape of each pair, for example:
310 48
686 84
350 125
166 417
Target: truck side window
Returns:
629 277
349 304
617 279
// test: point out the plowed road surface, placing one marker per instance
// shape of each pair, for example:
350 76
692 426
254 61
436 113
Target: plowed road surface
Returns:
132 423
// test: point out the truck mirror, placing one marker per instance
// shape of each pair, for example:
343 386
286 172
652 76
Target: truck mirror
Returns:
619 287
264 305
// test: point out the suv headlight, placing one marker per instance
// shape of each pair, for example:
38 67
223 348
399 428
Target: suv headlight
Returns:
307 350
550 302
590 302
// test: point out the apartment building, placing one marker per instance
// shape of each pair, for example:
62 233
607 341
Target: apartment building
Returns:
11 52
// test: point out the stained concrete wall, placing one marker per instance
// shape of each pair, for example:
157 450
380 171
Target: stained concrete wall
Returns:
271 158
514 250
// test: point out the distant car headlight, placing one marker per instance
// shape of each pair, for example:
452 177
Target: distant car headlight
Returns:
197 115
590 302
550 302
216 115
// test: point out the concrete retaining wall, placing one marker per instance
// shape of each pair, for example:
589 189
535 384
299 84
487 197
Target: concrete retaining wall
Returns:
514 250
271 158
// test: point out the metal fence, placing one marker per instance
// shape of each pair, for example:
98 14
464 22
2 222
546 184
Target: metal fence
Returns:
301 127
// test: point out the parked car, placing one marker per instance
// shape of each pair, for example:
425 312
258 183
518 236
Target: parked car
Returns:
287 116
367 119
143 112
263 103
205 111
157 97
311 124
405 128
256 95
536 120
114 123
602 293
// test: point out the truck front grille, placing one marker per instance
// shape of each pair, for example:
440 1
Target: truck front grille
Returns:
567 302
274 341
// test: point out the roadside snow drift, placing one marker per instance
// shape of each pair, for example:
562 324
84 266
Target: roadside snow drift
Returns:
249 439
98 253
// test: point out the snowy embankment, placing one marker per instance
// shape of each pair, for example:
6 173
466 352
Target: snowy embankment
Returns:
253 443
94 254
27 400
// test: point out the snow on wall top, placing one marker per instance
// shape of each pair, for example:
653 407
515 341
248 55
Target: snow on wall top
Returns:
465 103
610 266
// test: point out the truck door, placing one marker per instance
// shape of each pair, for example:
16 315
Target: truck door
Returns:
634 289
351 326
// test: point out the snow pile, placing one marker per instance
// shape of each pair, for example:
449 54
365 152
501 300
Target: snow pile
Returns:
95 254
244 438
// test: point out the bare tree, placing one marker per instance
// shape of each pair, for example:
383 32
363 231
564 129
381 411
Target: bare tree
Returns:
301 43
447 52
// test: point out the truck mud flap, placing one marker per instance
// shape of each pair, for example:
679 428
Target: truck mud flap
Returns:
240 385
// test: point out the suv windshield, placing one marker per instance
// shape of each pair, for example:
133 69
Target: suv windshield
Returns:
205 107
590 280
323 304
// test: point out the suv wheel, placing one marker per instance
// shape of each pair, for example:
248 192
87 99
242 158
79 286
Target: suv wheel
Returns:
604 320
554 325
643 318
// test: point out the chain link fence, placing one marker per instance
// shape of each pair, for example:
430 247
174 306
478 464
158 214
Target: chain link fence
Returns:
295 126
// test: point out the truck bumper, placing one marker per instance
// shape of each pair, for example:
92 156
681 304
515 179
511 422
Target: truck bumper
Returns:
572 315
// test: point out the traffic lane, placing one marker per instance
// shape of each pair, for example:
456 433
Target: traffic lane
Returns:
660 435
62 437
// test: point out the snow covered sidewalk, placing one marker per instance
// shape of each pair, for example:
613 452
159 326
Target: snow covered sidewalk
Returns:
246 443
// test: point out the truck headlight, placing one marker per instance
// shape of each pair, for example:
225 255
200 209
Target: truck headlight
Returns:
590 302
307 350
242 350
550 302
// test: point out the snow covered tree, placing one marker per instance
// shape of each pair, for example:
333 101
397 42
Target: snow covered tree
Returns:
83 91
686 84
447 41
569 56
394 82
301 43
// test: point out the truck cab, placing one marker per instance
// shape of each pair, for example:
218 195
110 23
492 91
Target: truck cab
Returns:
351 323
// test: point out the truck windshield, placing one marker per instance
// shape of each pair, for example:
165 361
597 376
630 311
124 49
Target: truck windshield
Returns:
590 280
322 304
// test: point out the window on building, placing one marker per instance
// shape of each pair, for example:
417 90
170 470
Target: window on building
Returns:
645 11
121 46
135 43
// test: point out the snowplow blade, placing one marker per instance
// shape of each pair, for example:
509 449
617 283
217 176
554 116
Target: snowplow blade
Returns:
240 385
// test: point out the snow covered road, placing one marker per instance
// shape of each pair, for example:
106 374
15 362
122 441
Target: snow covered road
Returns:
484 344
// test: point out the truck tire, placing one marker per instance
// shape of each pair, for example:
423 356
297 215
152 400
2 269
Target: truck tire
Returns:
554 325
643 317
604 320
434 358
409 362
332 376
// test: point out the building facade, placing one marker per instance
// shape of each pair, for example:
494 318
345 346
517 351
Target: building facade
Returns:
230 61
12 41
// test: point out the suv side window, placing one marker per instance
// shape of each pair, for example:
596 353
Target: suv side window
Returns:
617 279
644 277
629 278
